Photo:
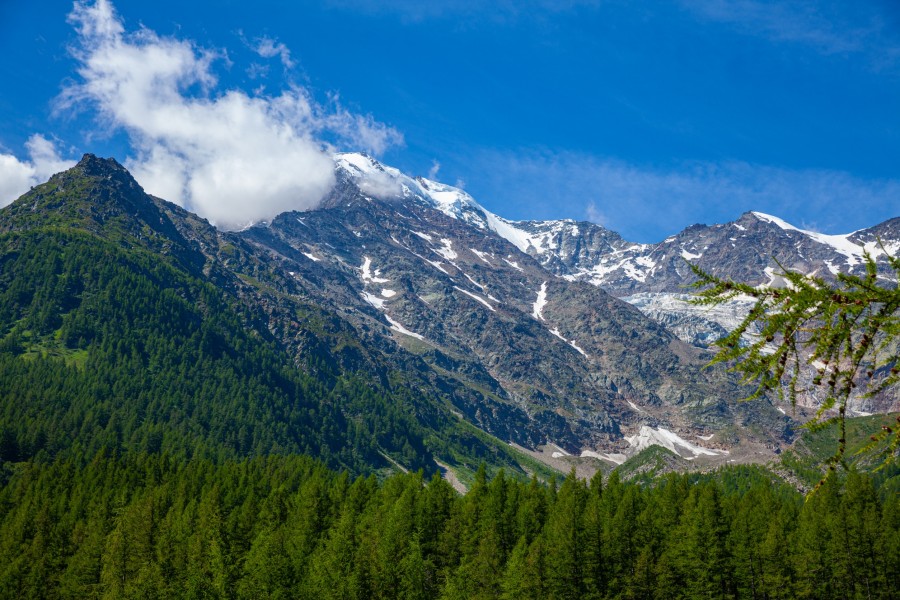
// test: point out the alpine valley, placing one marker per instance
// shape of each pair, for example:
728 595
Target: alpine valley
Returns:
400 325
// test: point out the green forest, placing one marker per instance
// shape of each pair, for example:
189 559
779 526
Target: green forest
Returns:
150 526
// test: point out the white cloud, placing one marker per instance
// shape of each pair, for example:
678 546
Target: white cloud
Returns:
18 176
831 28
268 48
232 157
646 203
380 185
595 215
433 171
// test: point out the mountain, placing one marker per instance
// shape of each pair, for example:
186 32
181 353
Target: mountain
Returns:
753 249
422 264
420 328
395 325
163 385
130 325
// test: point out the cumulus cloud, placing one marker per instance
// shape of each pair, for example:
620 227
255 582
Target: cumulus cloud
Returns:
18 176
648 203
232 157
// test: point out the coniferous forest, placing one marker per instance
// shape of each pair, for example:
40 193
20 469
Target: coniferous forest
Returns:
148 526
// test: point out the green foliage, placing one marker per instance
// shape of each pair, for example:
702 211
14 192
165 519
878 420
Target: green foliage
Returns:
846 333
165 361
805 459
150 525
156 441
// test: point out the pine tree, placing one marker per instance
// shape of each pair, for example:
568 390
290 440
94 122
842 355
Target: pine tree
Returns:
846 333
564 534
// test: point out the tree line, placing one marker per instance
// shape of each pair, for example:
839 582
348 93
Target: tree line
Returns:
147 525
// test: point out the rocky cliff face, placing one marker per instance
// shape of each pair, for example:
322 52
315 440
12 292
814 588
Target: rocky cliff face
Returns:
754 249
421 265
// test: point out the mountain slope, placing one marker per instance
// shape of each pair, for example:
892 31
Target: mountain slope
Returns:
122 329
422 264
417 326
753 249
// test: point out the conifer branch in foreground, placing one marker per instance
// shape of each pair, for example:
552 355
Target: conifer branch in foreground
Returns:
845 335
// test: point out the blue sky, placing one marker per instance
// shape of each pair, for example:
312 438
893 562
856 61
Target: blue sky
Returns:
644 117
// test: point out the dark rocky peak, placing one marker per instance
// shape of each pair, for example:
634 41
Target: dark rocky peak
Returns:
100 196
95 188
92 165
695 228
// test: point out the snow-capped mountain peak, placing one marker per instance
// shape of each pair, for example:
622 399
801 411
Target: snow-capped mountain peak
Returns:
382 181
852 245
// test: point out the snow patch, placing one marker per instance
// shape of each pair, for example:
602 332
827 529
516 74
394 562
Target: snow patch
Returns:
615 458
572 343
311 257
514 265
388 293
476 297
437 265
482 255
648 436
373 300
447 251
424 236
577 347
367 274
476 284
775 280
540 303
517 237
401 329
636 407
560 452
839 243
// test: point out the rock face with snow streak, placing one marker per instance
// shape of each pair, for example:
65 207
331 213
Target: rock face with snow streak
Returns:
421 265
749 249
519 313
753 249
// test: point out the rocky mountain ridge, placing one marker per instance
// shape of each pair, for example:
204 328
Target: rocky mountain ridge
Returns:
426 266
653 277
465 316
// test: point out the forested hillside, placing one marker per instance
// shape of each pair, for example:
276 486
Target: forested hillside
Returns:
285 527
118 333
